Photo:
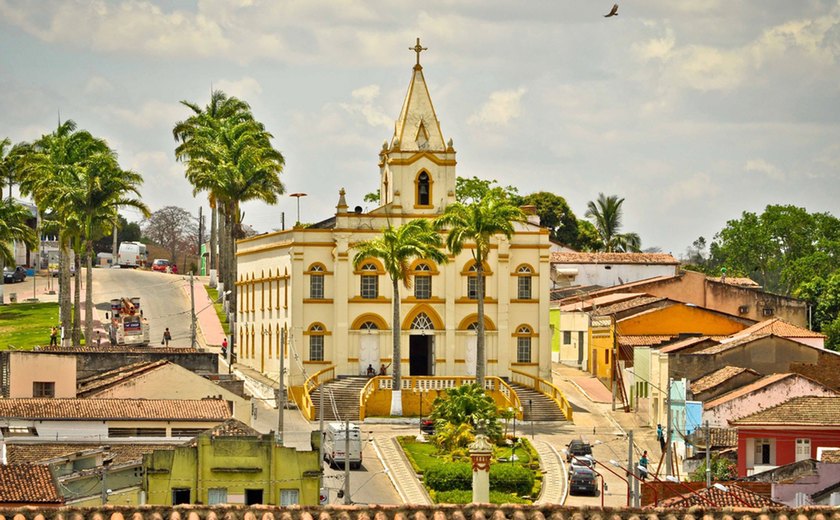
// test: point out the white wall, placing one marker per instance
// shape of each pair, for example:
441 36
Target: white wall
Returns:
607 275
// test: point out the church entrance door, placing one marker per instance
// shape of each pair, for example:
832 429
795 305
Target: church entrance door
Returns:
421 355
368 352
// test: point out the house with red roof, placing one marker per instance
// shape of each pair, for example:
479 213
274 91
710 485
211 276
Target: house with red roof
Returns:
792 431
28 485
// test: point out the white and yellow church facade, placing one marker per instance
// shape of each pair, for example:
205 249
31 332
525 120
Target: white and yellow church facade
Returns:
302 284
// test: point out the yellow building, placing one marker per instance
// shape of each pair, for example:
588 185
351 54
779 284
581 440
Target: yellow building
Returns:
302 284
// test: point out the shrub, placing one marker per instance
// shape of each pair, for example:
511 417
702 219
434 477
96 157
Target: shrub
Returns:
447 477
463 496
511 478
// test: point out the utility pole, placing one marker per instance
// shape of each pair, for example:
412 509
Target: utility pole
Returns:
632 484
114 249
281 389
321 444
192 312
347 500
668 430
200 240
708 456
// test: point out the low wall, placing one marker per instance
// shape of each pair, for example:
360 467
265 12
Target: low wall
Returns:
441 512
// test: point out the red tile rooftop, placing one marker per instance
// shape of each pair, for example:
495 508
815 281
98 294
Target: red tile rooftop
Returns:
137 409
613 258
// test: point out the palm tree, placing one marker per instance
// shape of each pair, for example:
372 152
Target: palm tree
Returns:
229 155
13 227
397 248
478 222
605 214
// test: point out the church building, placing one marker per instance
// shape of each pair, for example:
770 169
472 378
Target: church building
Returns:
300 284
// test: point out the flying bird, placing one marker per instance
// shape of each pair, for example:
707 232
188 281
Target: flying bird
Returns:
613 11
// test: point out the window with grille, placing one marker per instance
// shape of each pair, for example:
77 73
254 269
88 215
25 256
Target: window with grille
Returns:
316 282
422 282
422 322
523 345
370 282
43 389
524 283
316 343
368 325
216 496
289 497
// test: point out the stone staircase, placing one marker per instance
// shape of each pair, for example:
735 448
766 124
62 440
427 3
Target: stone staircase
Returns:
542 408
345 391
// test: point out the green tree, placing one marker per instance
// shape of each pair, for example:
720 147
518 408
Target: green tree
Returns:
228 155
466 404
173 228
823 294
723 469
397 248
478 222
605 214
781 248
473 189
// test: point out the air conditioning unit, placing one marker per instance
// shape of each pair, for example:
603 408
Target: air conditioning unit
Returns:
743 309
767 311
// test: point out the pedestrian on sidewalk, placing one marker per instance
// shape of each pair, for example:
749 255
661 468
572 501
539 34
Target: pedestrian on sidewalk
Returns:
98 338
224 347
660 436
167 337
53 337
643 464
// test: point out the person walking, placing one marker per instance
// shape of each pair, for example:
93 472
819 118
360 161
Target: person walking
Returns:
224 347
643 464
53 337
660 436
167 337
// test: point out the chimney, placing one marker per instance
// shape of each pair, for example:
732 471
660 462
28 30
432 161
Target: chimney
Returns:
531 214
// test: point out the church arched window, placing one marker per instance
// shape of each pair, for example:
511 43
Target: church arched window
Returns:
422 322
424 189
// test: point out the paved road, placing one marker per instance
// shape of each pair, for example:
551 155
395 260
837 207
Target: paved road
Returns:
164 299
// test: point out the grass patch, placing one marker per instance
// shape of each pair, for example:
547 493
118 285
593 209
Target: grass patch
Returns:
423 455
23 326
220 309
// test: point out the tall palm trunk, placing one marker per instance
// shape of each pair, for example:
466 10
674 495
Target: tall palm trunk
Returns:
232 223
77 300
65 310
396 385
213 258
480 348
88 291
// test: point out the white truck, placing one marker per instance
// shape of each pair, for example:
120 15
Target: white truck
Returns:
335 445
126 324
132 254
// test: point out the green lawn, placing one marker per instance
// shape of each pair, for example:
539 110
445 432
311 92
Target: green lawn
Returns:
220 310
24 326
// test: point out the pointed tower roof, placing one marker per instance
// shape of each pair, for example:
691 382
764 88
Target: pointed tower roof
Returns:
417 128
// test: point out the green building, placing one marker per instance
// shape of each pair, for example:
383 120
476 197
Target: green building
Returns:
232 464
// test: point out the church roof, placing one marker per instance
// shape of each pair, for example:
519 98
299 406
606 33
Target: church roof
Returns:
417 128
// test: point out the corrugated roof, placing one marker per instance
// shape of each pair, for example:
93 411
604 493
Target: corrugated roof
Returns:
810 411
137 409
717 377
28 484
612 258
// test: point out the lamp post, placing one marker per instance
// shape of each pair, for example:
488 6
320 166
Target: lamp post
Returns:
298 196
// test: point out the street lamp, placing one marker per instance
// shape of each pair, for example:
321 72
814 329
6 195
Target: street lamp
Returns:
298 196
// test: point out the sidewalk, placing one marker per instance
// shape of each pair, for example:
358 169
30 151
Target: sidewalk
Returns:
211 331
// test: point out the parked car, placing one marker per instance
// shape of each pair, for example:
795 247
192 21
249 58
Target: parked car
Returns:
583 481
578 448
18 274
160 264
585 461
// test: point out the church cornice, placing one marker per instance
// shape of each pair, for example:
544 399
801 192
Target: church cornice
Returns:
432 156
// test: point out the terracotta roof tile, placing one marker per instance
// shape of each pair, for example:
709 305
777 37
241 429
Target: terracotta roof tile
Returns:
831 456
811 411
28 484
732 342
736 496
627 305
127 350
736 280
233 428
683 344
717 377
643 340
44 452
585 302
779 328
139 409
613 258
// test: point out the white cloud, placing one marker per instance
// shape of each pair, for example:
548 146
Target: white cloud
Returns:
96 85
694 187
363 104
245 88
151 114
764 168
502 107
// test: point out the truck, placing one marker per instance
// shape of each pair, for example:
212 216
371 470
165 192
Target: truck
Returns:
335 444
126 324
132 254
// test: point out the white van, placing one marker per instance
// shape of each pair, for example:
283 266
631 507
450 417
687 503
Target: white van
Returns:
335 444
132 254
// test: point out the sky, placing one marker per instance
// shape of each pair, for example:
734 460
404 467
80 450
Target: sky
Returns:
693 112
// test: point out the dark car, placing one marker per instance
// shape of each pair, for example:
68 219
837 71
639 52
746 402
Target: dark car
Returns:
18 274
582 481
578 448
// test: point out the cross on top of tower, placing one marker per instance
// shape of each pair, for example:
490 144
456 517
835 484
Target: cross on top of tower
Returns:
418 49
